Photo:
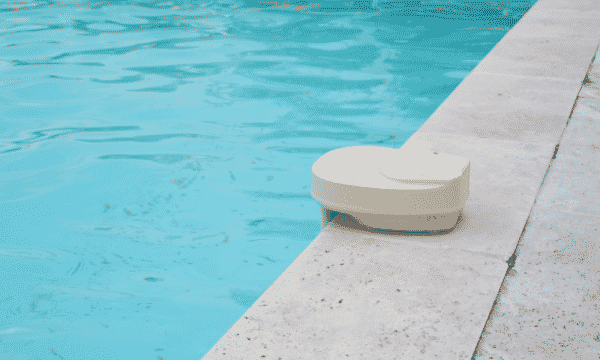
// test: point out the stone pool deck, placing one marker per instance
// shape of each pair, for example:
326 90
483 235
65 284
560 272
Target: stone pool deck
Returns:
548 306
518 277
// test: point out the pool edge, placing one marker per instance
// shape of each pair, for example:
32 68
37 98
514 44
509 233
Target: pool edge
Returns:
317 311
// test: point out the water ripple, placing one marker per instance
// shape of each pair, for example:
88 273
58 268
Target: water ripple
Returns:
279 195
121 80
48 134
168 159
162 44
145 138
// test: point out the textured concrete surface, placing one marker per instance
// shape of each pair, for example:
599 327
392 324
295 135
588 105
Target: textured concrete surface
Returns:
505 179
525 55
359 293
555 22
532 109
362 297
549 304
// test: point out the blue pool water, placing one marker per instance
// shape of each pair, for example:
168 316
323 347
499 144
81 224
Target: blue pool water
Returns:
155 157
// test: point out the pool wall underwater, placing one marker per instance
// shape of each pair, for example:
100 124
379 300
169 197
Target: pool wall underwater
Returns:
355 293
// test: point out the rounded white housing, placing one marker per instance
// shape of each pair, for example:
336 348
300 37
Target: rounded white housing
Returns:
393 189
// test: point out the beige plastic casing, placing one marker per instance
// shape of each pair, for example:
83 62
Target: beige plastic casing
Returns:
406 189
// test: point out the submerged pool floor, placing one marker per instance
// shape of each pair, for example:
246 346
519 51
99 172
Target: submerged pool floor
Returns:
155 157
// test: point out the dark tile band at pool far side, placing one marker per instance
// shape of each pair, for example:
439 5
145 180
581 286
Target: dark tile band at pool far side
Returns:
359 294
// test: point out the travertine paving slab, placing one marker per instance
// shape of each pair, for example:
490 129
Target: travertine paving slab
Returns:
557 238
559 23
576 160
591 88
575 194
591 84
555 18
584 126
522 55
579 7
359 297
566 191
548 306
507 108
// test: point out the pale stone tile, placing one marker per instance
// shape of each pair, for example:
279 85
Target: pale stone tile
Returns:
580 194
505 172
591 84
571 188
351 296
576 160
556 238
587 108
575 9
542 314
521 55
596 62
506 108
557 24
584 126
548 304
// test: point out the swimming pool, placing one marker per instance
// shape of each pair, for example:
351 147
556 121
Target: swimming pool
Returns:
155 156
